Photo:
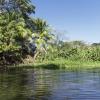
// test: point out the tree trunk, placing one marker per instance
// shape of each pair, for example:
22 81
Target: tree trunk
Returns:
36 54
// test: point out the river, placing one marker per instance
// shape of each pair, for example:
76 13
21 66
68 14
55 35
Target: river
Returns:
46 84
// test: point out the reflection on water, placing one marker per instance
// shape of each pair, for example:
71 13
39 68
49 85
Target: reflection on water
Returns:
43 84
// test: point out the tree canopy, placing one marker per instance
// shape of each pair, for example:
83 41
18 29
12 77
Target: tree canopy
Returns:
20 34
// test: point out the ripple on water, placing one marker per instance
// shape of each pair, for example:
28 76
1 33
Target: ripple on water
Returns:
43 84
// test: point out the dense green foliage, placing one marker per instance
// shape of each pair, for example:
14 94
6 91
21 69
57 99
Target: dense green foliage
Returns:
23 37
74 51
20 35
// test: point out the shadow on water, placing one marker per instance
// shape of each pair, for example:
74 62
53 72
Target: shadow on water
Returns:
49 66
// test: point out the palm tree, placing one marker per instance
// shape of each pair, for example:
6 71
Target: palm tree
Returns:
40 35
40 25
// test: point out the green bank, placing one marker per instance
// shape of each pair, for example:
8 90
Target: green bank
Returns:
63 64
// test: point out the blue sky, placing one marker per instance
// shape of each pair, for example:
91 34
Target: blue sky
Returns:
80 19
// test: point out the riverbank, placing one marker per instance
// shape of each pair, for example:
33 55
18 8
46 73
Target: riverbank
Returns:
63 63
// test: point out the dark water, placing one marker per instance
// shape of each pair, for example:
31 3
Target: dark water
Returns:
43 84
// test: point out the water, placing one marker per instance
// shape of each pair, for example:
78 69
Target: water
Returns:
44 84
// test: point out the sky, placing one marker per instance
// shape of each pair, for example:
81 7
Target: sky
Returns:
78 19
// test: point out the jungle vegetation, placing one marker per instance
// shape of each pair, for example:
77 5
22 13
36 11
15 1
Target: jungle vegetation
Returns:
74 51
24 39
20 34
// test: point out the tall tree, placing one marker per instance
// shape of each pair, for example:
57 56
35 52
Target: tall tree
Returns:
18 30
14 27
41 35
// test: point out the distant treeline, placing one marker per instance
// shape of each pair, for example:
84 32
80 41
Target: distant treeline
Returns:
74 50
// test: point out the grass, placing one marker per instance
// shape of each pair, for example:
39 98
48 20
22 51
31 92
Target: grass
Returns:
64 64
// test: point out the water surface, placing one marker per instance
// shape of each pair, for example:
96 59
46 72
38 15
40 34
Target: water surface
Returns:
44 84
